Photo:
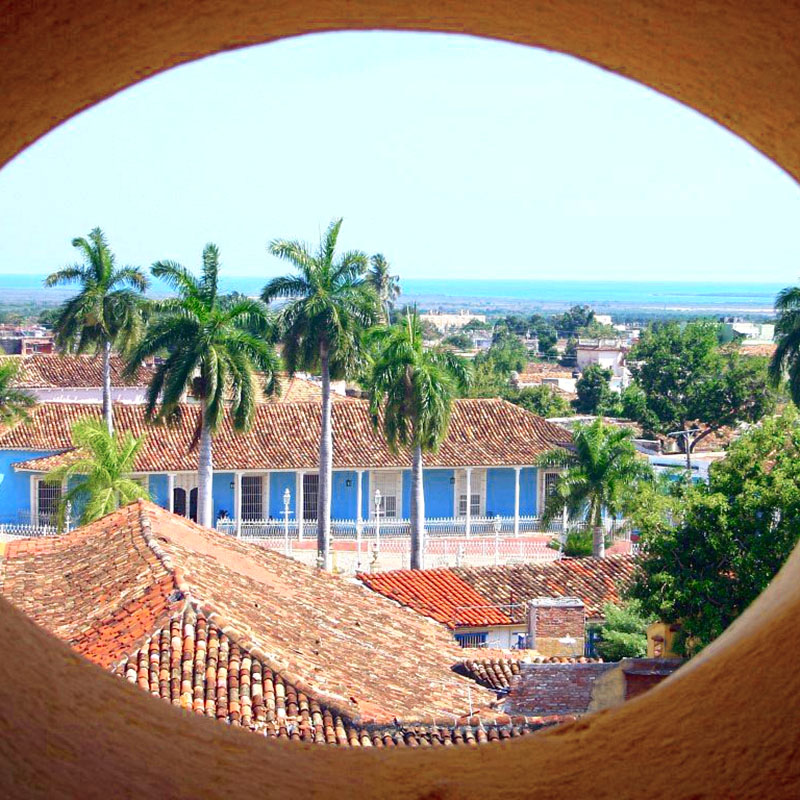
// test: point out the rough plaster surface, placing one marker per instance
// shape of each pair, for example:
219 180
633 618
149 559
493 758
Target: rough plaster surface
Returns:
726 725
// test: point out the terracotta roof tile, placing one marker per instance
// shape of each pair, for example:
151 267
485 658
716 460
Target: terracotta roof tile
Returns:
483 432
108 587
498 672
446 594
53 371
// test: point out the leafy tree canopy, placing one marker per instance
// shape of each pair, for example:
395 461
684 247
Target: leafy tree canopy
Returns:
624 632
686 378
704 563
570 322
543 400
594 393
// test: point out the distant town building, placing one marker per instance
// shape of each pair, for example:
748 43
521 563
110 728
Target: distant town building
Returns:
451 322
602 319
606 353
749 332
24 341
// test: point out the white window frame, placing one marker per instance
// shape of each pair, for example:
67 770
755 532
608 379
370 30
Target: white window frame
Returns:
390 482
477 490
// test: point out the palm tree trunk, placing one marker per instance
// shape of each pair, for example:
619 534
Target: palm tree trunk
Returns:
417 510
107 409
598 533
205 477
325 468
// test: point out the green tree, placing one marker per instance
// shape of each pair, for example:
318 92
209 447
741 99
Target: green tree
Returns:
98 477
14 402
543 400
624 631
601 472
108 311
594 393
689 382
571 321
786 358
703 567
386 285
330 305
507 352
460 341
411 398
213 353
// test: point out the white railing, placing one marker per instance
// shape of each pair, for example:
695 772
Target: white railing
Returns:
20 530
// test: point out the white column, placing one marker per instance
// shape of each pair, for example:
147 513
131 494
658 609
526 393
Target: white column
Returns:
237 502
359 501
34 520
517 471
468 517
171 491
299 504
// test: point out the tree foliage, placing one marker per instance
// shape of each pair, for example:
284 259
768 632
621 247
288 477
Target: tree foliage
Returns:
706 562
98 478
543 400
786 359
624 631
572 321
14 402
602 473
594 392
686 379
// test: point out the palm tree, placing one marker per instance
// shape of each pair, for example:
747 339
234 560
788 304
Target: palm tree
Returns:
601 473
386 285
214 351
108 310
330 305
411 391
14 402
98 478
786 358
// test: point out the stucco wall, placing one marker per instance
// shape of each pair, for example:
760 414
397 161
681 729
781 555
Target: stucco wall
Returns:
15 491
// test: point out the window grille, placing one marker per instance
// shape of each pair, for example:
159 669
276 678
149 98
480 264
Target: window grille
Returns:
389 506
49 496
310 496
193 505
474 506
252 497
472 639
390 484
550 483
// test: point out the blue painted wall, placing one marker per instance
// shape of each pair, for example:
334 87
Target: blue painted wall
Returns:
499 491
279 482
438 492
223 494
344 497
15 487
158 490
527 492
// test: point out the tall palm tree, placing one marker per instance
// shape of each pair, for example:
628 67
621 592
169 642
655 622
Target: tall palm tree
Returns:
329 307
108 310
786 358
214 350
411 392
600 473
14 402
386 285
98 478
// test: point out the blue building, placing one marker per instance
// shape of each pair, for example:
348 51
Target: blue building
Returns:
485 467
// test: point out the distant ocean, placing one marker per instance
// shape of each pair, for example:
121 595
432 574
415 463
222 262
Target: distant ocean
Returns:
544 294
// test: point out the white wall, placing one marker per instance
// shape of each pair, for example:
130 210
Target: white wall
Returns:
134 395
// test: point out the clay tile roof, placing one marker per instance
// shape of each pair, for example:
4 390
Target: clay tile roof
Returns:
436 593
760 350
596 581
484 432
193 663
53 371
497 672
112 586
470 596
536 370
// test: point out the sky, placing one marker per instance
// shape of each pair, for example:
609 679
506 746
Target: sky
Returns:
456 157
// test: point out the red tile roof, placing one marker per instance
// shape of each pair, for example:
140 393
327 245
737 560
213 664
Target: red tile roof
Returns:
112 586
436 593
498 672
53 371
192 663
483 432
446 594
